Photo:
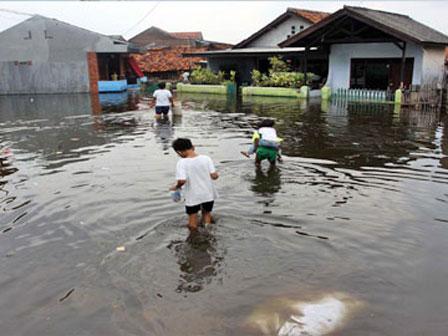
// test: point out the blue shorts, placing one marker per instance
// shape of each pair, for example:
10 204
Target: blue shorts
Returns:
162 109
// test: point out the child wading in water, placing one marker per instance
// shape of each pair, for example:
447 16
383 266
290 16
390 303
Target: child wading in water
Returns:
163 100
266 144
195 173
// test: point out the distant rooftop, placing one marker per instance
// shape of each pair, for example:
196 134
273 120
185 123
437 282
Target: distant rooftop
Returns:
188 35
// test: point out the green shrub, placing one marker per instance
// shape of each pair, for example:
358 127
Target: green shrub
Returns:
279 75
277 64
206 76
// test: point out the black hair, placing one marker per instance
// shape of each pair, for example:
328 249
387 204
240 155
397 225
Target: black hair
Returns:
182 144
161 85
267 123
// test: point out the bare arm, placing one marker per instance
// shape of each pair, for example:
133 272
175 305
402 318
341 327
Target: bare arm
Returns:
172 101
178 185
256 141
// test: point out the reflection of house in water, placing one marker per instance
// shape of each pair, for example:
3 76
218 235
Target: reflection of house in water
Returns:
118 102
44 55
60 128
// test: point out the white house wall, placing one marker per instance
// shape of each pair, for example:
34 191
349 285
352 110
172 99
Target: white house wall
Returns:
57 60
279 33
341 55
433 65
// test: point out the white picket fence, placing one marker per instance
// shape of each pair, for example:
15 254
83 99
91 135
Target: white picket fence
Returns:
362 95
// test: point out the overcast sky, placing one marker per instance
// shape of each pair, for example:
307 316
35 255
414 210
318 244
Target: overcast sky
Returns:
224 21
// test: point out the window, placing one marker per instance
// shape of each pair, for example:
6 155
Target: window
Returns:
29 36
288 36
46 35
293 30
301 27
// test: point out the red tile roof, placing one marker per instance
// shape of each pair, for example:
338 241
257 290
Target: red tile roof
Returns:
168 59
312 16
188 35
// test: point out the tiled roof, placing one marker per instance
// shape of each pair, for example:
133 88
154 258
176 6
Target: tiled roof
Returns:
188 35
312 16
168 59
400 26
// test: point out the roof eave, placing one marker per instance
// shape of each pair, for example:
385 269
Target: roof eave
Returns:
260 32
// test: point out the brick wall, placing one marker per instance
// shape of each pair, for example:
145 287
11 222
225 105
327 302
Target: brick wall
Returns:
94 75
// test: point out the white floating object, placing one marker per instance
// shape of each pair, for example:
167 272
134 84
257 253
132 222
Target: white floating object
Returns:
286 317
317 318
121 249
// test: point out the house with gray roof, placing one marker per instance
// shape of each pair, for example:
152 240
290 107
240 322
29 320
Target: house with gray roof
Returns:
372 49
44 55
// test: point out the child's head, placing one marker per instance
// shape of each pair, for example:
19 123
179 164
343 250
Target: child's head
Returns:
182 145
267 123
162 85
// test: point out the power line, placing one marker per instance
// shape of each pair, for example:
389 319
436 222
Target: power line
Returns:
146 15
15 12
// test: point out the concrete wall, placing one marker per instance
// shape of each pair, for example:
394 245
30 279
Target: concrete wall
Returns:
341 55
433 65
279 33
242 65
53 60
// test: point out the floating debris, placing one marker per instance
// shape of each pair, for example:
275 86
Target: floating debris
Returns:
121 249
67 295
311 235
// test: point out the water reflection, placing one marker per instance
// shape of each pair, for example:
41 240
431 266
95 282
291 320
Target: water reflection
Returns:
199 261
164 130
267 181
371 180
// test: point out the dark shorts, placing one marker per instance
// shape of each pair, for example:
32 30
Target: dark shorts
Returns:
204 207
162 109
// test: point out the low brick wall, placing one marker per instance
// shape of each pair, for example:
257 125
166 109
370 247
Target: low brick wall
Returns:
199 88
270 91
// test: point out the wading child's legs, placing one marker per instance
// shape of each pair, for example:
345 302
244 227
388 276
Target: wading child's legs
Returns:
206 209
192 212
193 221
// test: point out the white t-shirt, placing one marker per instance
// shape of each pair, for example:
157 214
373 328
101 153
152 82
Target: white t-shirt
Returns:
199 186
162 97
268 133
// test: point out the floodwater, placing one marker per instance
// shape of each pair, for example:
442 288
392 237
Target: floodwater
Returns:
359 206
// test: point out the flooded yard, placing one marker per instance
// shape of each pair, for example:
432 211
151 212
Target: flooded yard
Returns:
359 207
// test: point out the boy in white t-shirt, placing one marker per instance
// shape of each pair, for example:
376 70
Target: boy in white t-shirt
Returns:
163 99
195 173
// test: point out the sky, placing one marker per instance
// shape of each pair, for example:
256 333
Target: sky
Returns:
223 21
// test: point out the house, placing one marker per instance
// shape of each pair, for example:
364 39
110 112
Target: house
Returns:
44 55
163 57
254 51
372 49
155 37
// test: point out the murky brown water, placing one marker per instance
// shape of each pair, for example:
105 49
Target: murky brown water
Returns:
359 206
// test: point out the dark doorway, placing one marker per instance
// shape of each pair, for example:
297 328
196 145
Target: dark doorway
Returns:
379 74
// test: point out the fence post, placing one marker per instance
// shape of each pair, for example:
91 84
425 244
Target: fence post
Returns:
398 96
